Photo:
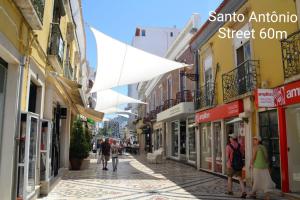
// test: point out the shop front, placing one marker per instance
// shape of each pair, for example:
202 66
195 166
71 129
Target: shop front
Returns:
214 127
180 132
157 135
279 126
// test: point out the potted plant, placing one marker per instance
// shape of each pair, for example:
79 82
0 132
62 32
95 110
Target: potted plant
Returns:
79 148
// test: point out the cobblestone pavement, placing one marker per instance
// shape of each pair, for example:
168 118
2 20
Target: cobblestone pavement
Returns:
136 179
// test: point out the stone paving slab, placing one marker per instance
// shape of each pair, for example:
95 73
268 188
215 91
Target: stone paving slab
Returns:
136 179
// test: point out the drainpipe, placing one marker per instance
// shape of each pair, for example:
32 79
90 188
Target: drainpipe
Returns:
15 153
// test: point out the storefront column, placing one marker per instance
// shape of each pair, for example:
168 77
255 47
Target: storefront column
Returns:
283 150
213 149
223 146
198 146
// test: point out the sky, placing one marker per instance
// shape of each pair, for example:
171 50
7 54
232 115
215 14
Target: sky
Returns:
119 18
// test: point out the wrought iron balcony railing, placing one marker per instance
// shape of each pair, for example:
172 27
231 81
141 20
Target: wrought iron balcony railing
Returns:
39 6
57 44
240 80
290 48
159 109
169 103
206 96
152 114
184 96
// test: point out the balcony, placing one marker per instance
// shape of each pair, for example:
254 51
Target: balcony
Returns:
184 96
56 48
152 115
33 11
169 103
206 96
159 109
241 80
290 48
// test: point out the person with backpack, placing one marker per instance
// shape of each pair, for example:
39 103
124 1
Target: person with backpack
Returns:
260 165
235 164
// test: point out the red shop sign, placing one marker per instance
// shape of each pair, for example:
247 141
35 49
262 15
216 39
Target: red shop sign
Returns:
281 96
220 112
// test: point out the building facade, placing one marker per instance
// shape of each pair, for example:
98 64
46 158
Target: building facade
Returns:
230 72
155 41
170 102
43 85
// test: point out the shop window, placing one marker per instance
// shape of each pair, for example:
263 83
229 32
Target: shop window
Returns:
206 150
192 140
218 147
3 76
183 137
174 135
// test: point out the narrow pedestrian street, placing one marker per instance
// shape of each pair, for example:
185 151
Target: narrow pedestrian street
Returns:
136 179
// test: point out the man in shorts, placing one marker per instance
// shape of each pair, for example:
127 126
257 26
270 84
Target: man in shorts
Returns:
105 147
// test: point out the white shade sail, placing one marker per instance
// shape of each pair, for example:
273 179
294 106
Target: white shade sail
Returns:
110 98
111 110
121 64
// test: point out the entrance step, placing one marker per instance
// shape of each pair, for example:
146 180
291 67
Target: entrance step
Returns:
292 196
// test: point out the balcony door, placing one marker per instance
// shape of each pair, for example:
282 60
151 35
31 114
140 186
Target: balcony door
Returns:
243 54
208 78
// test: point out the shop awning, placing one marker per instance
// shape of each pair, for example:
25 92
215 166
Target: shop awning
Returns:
238 119
90 113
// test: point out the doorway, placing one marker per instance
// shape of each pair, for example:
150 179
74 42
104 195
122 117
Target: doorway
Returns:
268 126
293 138
3 75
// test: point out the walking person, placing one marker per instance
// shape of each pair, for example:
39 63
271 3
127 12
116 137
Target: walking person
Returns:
235 164
99 143
262 180
114 155
105 148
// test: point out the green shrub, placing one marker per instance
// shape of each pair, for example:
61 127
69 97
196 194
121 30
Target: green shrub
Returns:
79 148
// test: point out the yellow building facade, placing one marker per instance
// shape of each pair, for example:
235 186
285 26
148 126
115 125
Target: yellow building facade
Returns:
42 63
231 68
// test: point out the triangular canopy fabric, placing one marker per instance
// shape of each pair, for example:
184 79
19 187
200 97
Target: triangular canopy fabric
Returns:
111 110
110 98
120 64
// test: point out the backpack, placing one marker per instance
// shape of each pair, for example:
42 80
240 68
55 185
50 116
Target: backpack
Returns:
237 158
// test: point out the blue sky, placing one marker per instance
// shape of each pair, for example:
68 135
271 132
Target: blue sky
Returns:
119 18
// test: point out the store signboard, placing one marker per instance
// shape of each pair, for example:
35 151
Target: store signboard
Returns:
281 96
220 112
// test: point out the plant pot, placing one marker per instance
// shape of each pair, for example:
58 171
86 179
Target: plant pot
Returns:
75 163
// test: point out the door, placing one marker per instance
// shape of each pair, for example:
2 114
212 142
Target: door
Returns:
293 138
3 75
268 124
243 54
182 139
217 147
205 147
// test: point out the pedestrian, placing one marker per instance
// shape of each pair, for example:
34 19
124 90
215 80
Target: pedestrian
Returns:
105 148
99 143
94 149
114 155
262 180
235 164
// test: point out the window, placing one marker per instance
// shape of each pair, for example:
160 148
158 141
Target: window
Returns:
143 32
208 78
161 95
3 75
171 34
32 97
169 87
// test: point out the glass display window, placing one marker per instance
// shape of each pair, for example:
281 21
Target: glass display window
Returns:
206 148
192 140
45 157
174 136
217 147
27 162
